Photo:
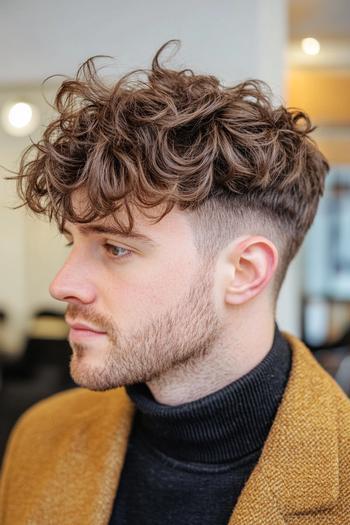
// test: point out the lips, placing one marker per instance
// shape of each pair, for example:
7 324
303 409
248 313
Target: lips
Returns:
84 333
85 328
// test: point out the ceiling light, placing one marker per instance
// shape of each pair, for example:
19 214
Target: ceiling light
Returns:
310 46
19 118
20 115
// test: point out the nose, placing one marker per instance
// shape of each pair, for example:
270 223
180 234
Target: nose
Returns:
72 284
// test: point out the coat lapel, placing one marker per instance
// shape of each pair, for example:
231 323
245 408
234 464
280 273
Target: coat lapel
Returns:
298 469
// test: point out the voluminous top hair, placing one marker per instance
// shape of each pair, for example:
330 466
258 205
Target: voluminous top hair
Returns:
226 154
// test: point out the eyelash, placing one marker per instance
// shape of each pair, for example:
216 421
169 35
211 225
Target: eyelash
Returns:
109 248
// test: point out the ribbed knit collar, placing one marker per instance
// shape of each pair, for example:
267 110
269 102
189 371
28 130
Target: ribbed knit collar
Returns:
221 427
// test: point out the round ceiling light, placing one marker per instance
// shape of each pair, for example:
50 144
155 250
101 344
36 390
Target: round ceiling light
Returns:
310 46
19 118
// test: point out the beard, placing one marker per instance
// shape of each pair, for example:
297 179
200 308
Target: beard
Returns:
175 339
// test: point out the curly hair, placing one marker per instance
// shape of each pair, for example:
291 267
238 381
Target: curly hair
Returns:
225 154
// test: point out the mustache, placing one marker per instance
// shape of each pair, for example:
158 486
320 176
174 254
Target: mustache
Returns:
89 315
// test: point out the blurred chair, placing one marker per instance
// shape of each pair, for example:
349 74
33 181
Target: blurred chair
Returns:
46 350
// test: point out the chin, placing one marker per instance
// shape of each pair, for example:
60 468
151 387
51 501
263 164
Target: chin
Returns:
93 375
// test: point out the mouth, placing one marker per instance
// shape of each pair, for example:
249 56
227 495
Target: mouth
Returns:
82 331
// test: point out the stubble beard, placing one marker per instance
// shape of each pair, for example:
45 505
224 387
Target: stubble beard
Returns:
177 339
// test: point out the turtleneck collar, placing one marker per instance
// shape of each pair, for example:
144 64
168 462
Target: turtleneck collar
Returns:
221 427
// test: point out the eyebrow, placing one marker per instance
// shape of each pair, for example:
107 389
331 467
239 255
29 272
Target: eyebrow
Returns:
112 230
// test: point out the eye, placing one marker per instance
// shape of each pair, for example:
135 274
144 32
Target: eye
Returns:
113 250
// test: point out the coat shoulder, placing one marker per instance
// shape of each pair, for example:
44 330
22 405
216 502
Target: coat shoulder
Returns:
55 439
68 406
48 420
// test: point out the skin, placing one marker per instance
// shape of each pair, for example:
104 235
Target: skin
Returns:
184 327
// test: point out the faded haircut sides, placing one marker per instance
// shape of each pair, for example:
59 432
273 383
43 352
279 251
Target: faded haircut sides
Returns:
225 154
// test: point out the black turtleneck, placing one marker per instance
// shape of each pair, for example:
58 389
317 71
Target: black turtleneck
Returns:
189 463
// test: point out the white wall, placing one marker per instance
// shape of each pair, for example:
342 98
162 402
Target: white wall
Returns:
234 40
28 253
231 38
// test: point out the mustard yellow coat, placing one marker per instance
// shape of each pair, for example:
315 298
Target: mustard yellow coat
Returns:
65 455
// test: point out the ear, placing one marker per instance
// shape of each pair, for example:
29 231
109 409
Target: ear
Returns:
253 261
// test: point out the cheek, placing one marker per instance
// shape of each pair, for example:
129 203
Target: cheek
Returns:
140 294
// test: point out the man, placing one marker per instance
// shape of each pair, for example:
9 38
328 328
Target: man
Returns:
183 202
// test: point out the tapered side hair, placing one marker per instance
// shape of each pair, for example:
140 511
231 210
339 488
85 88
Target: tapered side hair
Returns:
225 154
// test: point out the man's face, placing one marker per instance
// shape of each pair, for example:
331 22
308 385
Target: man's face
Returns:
152 302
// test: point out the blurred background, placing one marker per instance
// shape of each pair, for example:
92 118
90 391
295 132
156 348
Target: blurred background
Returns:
300 47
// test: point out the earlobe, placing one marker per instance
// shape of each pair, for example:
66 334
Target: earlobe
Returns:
254 261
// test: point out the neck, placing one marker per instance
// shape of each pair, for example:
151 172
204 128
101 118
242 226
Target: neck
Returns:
237 352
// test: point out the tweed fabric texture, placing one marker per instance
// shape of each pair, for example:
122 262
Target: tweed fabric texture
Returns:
64 457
